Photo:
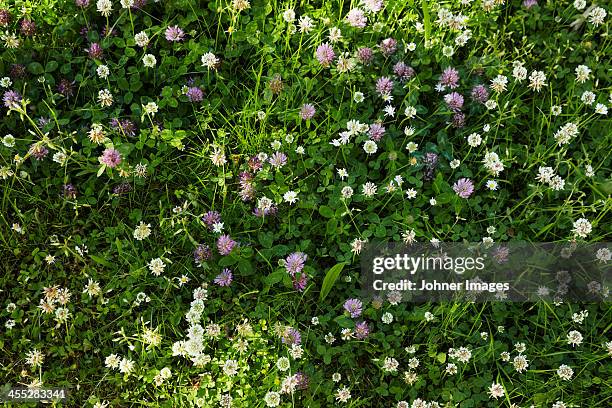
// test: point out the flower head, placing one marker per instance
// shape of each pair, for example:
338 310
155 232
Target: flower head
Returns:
464 187
174 34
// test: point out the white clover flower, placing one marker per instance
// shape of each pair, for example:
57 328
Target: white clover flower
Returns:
390 365
574 338
410 112
387 318
582 73
582 227
35 358
565 372
306 24
112 361
141 39
151 108
283 364
601 109
272 399
142 231
156 266
230 368
520 363
369 189
209 60
289 15
474 140
105 97
597 16
102 71
104 7
496 390
149 60
343 394
498 84
347 192
126 366
579 4
6 82
519 72
587 97
537 80
370 147
290 197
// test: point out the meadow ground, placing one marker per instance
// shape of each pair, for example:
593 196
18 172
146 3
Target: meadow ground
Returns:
186 187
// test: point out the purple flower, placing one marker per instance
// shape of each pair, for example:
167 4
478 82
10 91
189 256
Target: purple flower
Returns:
138 4
110 157
95 51
84 31
356 18
225 244
38 151
108 31
11 99
5 17
302 381
202 253
255 164
307 111
384 86
403 71
365 55
258 212
126 126
500 254
194 94
42 122
291 336
300 282
450 78
454 100
174 34
211 218
388 46
464 187
530 3
325 54
278 159
276 84
431 162
65 87
247 189
18 71
376 131
362 330
69 191
354 307
82 3
28 27
480 93
122 188
458 120
224 278
294 263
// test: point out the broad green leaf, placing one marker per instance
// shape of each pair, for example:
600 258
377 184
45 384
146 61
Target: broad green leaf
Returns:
330 278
